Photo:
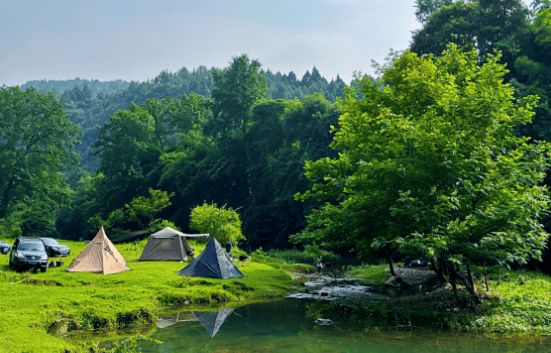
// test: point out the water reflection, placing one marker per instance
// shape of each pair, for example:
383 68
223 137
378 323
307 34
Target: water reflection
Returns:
172 319
290 326
212 321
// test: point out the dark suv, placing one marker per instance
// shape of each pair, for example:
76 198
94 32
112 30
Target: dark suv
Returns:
28 253
54 249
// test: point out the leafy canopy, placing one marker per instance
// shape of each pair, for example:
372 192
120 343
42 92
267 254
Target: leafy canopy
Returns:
36 147
429 164
138 214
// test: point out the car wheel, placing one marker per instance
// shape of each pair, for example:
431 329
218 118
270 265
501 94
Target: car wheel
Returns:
43 269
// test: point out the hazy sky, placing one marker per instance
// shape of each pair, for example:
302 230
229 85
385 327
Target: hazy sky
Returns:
136 39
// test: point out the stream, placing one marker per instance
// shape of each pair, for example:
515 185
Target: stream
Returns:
311 320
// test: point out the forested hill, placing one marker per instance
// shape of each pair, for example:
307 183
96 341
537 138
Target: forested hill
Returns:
173 84
58 87
90 103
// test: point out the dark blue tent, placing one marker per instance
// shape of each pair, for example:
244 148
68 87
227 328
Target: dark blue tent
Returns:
212 263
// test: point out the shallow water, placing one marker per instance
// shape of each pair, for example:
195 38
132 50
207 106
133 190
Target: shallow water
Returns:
289 325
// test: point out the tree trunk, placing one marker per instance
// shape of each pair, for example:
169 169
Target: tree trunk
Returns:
453 282
438 268
470 279
486 279
390 265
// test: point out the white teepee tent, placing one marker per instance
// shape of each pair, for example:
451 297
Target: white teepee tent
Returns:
99 256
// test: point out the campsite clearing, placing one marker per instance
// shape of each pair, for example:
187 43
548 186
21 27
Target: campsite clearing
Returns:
41 310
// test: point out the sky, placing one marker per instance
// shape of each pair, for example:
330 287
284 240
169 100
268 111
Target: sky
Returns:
137 39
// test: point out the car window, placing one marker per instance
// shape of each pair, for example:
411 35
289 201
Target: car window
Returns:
49 241
31 246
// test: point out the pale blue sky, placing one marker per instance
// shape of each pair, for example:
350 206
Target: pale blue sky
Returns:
136 39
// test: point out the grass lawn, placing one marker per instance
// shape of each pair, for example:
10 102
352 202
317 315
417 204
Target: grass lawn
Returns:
40 310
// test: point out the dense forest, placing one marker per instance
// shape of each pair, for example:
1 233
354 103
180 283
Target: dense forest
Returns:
348 168
90 103
183 133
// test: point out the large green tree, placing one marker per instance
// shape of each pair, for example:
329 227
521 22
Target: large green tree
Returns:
521 33
237 89
129 149
429 165
36 149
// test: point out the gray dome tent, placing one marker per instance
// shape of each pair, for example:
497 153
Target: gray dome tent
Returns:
168 245
212 263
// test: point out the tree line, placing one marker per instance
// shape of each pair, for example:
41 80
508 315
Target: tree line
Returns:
91 103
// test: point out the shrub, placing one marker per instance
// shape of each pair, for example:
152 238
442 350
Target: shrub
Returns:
223 222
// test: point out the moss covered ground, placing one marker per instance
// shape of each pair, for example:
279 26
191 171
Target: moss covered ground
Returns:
57 311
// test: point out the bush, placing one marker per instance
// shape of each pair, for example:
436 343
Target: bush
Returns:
223 222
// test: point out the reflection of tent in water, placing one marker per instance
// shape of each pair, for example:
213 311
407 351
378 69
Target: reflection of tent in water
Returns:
212 263
169 320
212 321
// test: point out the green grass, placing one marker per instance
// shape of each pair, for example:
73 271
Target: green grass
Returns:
520 302
373 275
287 260
35 306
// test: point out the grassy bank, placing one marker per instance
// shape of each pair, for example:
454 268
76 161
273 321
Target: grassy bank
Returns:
517 302
39 310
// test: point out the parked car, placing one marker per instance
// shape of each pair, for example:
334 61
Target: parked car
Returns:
28 253
54 249
4 247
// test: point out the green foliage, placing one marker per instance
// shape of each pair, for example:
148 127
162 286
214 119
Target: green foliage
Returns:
223 223
430 165
139 214
158 224
128 149
142 209
90 103
237 88
425 8
318 254
36 147
221 140
282 137
507 25
77 89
